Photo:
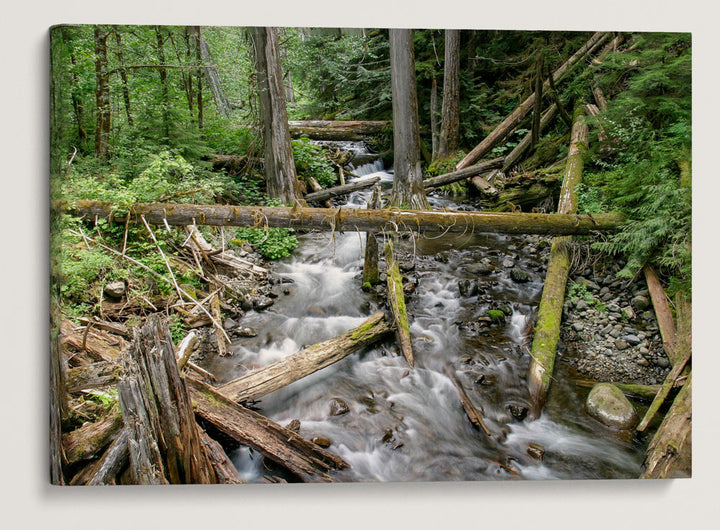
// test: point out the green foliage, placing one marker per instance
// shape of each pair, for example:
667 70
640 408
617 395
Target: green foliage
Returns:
579 291
310 161
178 328
273 243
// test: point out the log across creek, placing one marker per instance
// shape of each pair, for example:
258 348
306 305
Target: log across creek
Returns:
347 219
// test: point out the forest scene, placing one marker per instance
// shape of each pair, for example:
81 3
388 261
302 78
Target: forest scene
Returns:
301 254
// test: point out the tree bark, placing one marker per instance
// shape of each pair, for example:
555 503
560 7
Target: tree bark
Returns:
123 77
111 463
662 313
213 78
517 153
537 106
339 191
396 302
282 183
519 113
102 95
408 191
163 82
308 461
450 128
58 399
669 454
471 171
547 328
225 471
352 219
307 361
95 375
91 439
434 126
200 73
371 272
336 129
77 101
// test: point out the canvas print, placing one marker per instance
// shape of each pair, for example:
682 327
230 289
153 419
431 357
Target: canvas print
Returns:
287 254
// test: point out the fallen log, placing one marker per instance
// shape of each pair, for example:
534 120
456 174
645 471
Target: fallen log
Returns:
339 191
484 186
91 439
308 461
396 302
477 169
644 392
669 454
684 352
158 412
353 219
307 361
516 154
98 350
473 414
521 111
225 471
58 400
336 129
662 313
316 187
111 463
96 375
371 272
547 327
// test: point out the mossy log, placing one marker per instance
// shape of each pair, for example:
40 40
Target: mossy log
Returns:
336 129
662 313
521 111
516 154
478 169
308 461
90 440
96 375
547 327
307 361
371 272
111 463
164 440
396 301
339 191
351 219
644 392
669 454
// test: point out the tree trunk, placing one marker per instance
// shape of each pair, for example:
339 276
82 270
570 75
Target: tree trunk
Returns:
644 392
163 82
157 409
123 78
547 328
280 175
102 95
450 128
308 461
199 60
307 361
434 126
339 191
371 272
537 106
669 454
351 219
516 154
188 34
211 73
408 191
58 399
77 101
448 178
336 129
111 463
519 113
396 302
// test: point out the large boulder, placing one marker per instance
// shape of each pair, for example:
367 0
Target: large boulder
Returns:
607 404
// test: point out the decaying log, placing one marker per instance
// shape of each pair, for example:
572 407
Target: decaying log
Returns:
308 461
225 471
157 410
519 113
662 313
58 402
519 150
339 191
484 186
371 272
600 98
222 344
96 375
355 219
644 392
115 328
684 352
669 454
91 439
307 361
477 169
336 129
98 350
473 414
396 302
547 327
111 463
185 349
316 187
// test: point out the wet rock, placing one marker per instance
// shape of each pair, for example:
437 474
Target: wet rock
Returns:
467 288
642 361
406 266
322 442
662 361
338 407
409 288
519 275
229 324
537 451
294 425
114 289
481 268
613 308
581 305
640 302
607 404
508 263
246 332
578 326
518 412
262 303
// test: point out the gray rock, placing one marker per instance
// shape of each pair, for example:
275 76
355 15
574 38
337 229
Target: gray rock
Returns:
482 268
607 404
581 305
508 263
613 308
640 302
246 332
577 326
262 303
467 288
662 361
632 340
115 289
229 324
620 344
519 275
615 333
607 329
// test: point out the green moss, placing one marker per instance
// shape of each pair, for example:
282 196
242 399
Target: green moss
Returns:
496 315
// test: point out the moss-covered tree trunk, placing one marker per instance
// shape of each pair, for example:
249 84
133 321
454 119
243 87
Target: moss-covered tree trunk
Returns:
408 191
282 182
371 271
396 301
547 328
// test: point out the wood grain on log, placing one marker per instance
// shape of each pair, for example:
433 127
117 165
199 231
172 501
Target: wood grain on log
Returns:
396 301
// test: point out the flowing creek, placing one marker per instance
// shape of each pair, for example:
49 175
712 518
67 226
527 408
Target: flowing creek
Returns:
408 424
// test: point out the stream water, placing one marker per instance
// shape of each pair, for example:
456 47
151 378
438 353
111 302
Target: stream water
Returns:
408 424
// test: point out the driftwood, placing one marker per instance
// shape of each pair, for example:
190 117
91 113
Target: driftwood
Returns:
336 129
473 414
164 444
519 113
338 191
111 463
662 313
307 361
547 328
396 302
484 186
371 272
684 352
477 169
225 471
96 375
670 451
353 219
308 461
91 439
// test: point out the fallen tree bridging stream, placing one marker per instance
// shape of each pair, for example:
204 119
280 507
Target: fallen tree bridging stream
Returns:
348 219
307 361
547 328
338 191
336 129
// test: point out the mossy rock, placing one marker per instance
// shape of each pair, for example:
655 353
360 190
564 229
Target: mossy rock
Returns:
496 315
607 404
